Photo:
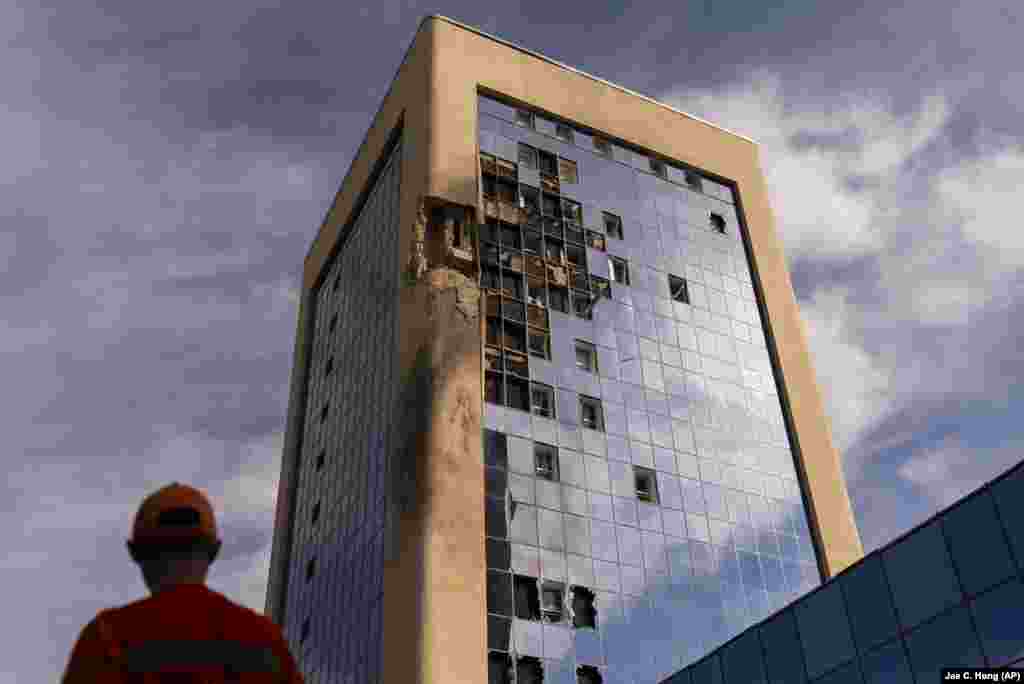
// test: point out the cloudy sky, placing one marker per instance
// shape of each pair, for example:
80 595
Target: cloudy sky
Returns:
166 165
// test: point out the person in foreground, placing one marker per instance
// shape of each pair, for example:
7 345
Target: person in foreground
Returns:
184 632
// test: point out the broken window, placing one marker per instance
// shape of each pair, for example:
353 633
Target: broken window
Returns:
619 270
543 400
532 241
602 146
591 413
495 449
677 289
316 512
524 118
694 181
548 163
601 287
646 484
310 568
582 305
551 206
499 668
529 199
658 168
545 459
612 225
576 256
527 598
499 593
494 389
717 222
588 674
558 299
333 324
586 356
583 612
563 133
511 237
552 599
514 337
572 211
518 393
529 671
329 366
517 364
567 172
540 344
595 240
320 458
536 293
527 156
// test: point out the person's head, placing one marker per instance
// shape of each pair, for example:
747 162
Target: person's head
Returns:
174 538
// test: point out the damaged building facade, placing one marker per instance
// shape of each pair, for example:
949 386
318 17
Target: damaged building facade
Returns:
552 415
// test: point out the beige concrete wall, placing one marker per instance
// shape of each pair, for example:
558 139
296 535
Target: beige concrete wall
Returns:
434 624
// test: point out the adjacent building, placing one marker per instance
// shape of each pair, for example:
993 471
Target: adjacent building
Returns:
552 414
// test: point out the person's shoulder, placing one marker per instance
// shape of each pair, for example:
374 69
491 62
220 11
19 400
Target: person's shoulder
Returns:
257 622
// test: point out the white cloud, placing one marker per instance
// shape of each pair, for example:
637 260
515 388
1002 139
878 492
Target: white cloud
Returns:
953 468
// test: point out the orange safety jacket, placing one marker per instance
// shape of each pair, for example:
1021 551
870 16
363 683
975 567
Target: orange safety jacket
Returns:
186 633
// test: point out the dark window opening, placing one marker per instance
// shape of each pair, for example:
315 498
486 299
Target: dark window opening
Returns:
582 305
554 250
498 555
494 360
495 449
540 344
583 612
658 168
559 299
552 599
514 337
490 278
323 414
527 156
646 484
532 242
536 292
602 146
516 363
518 393
551 206
499 668
578 279
586 356
545 458
529 671
305 631
495 482
494 389
512 284
588 674
499 593
310 568
333 324
612 225
552 227
320 459
619 270
494 324
717 222
329 366
527 596
507 192
524 118
489 187
529 199
548 163
591 413
572 211
694 181
316 512
507 169
499 633
576 256
495 523
574 233
543 400
563 133
337 283
678 290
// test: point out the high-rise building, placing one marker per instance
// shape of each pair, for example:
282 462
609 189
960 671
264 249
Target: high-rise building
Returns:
552 414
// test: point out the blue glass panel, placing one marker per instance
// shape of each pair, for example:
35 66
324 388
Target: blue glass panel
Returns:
824 630
869 604
844 674
785 660
921 576
947 641
977 543
1009 495
707 671
997 615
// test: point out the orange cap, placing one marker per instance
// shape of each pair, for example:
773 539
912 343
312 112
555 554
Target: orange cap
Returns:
173 515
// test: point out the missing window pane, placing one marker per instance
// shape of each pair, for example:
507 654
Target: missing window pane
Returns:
546 461
583 611
646 484
552 601
619 270
612 225
591 413
678 290
694 181
588 674
717 222
658 168
518 393
540 344
586 356
543 400
563 133
527 598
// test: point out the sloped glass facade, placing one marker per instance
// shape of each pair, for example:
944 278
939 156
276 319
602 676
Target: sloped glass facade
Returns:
635 444
948 594
334 595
